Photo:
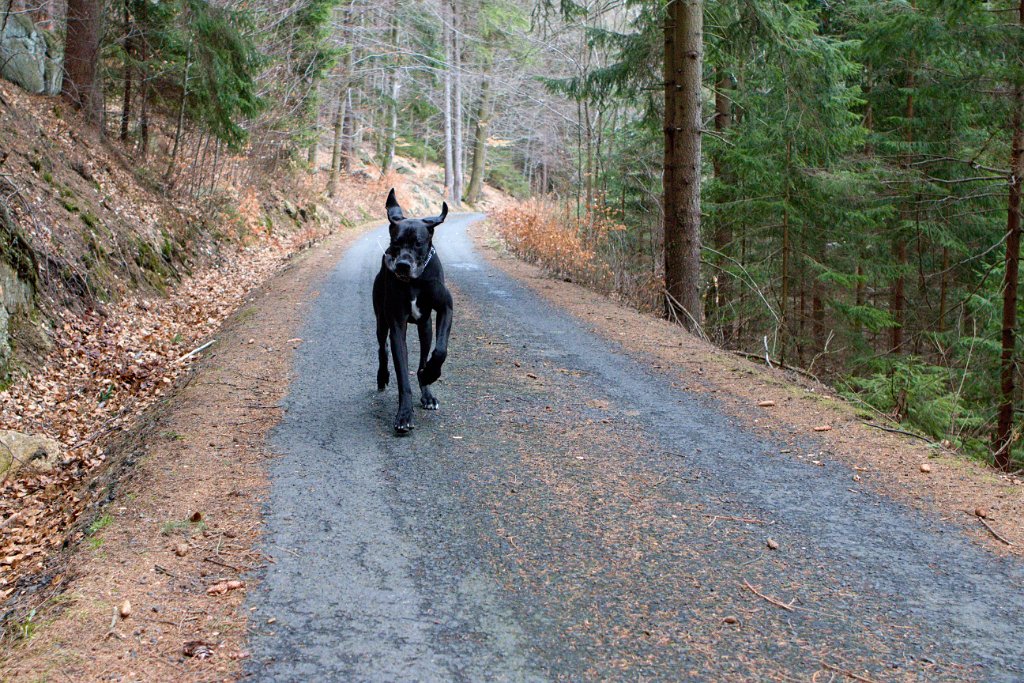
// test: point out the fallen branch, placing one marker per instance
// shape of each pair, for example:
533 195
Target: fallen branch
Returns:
993 531
748 520
899 431
214 560
850 674
197 350
777 603
772 364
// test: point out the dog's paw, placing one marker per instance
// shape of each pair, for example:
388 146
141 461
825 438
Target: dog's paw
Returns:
430 373
403 421
427 401
383 377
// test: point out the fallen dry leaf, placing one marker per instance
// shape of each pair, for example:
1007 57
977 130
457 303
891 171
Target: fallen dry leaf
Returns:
766 404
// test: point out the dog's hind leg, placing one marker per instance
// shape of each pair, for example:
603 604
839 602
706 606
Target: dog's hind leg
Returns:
427 400
382 355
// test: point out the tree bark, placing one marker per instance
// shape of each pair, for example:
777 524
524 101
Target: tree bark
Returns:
684 28
457 146
315 143
1008 358
394 85
348 133
144 95
898 303
483 120
449 169
83 85
181 108
129 51
723 231
339 117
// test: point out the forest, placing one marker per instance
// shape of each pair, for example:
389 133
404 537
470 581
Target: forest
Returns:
828 186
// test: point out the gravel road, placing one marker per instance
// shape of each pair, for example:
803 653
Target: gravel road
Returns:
571 514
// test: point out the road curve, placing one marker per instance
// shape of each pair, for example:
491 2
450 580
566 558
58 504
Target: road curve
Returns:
570 514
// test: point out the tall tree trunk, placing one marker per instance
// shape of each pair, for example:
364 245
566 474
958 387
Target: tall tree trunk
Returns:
348 133
339 117
684 29
83 84
315 142
723 230
181 108
457 142
449 169
898 303
943 291
1008 358
394 84
144 95
129 69
483 120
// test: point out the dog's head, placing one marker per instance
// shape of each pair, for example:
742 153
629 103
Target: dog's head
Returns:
411 240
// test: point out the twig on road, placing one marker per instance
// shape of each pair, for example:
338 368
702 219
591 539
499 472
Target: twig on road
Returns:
777 603
854 676
748 520
993 531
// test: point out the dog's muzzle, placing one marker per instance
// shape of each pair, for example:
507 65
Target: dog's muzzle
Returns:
404 268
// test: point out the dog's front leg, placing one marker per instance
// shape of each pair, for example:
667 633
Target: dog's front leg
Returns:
427 400
400 355
432 370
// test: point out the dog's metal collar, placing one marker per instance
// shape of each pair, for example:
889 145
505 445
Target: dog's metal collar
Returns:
429 256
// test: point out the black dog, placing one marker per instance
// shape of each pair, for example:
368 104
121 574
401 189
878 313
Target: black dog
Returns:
410 286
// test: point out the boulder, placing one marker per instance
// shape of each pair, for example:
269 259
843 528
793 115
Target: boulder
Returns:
17 284
29 56
35 452
290 209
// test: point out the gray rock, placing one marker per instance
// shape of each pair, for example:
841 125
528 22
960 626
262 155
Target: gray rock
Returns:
29 56
17 294
27 451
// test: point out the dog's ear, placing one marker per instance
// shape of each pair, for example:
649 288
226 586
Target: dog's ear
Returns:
437 220
394 210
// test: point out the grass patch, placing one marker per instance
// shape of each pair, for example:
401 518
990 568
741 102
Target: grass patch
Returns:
185 527
100 524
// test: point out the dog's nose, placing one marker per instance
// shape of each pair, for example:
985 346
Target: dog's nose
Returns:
403 267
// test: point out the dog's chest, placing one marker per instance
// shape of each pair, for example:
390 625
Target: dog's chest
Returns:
414 309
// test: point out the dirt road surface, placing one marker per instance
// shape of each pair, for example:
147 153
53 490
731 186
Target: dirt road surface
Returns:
569 513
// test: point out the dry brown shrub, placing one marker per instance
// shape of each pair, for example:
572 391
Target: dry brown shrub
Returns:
534 230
